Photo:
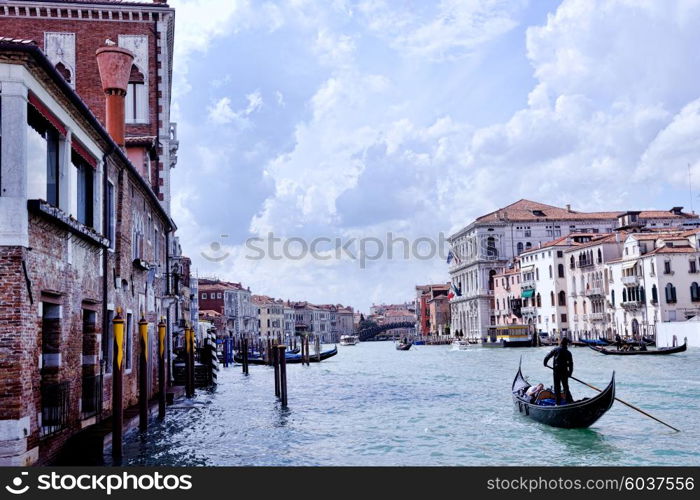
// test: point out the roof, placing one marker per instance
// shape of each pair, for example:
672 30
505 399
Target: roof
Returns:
527 210
674 249
144 140
601 239
107 2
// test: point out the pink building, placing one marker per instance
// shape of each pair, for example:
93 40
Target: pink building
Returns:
507 296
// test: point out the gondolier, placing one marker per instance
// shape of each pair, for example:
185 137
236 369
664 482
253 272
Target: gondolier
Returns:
563 368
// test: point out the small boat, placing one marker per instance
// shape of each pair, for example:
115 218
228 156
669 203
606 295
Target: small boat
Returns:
349 339
579 414
460 345
419 342
640 350
598 342
290 358
403 346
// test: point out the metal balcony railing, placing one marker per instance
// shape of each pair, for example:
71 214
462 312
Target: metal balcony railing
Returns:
91 402
630 280
54 407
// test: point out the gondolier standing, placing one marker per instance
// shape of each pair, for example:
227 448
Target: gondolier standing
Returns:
563 368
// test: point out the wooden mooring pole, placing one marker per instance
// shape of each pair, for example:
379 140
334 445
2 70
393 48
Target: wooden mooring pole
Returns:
283 374
117 380
276 364
143 374
161 369
244 346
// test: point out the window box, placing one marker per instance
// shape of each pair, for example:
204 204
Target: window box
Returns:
66 222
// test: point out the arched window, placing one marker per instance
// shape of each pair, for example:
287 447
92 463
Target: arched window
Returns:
612 298
600 256
572 264
642 296
528 245
491 247
537 274
64 71
136 110
550 272
624 295
694 292
539 300
670 294
584 307
562 298
492 273
520 248
560 270
654 294
575 307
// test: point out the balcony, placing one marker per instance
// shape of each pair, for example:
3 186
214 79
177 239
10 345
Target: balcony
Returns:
576 318
529 284
631 304
91 402
528 311
630 280
584 264
595 292
598 316
54 407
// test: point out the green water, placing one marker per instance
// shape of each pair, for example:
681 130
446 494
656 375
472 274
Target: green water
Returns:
373 405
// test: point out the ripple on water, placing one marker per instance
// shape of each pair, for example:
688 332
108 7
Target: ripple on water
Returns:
373 405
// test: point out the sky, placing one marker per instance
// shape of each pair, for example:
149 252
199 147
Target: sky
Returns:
327 148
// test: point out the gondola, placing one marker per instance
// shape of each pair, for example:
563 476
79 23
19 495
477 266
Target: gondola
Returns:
579 414
403 347
650 352
290 358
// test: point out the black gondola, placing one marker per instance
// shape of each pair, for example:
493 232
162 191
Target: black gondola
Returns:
403 347
290 358
650 352
579 414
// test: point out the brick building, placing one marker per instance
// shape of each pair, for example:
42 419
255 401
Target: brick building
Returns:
82 233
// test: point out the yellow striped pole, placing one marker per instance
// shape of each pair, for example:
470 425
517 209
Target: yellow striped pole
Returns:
117 405
161 368
143 373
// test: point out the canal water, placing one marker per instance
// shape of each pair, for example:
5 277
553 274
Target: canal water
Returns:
432 405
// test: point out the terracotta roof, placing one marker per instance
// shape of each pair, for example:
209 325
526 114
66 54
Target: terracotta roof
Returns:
144 140
666 250
106 2
528 210
604 238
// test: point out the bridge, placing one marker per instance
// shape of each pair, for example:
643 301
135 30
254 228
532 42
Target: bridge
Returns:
369 333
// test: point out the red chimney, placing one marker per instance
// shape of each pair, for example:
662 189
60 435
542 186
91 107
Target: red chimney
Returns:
114 64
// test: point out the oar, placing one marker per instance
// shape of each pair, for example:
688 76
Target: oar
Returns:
623 402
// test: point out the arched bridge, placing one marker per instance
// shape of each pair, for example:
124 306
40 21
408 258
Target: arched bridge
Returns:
368 333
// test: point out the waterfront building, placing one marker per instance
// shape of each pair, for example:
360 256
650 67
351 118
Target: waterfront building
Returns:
655 280
82 234
270 316
429 307
288 321
346 324
486 246
233 301
507 296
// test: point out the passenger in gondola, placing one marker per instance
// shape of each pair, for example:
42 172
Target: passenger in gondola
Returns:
563 366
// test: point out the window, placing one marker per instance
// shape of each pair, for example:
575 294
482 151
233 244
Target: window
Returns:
218 295
667 267
107 341
204 296
551 298
693 267
694 292
572 264
136 110
654 294
42 158
82 202
560 270
670 294
612 296
563 318
520 248
550 272
562 298
539 300
137 236
111 220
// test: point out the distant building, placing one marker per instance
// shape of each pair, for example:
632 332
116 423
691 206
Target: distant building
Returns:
432 309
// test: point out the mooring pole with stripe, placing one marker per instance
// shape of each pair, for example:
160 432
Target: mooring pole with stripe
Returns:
143 374
161 369
117 381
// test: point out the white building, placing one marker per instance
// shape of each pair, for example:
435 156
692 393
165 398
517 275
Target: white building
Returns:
656 280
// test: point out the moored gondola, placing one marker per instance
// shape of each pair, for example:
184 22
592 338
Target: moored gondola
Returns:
634 350
290 358
403 346
579 414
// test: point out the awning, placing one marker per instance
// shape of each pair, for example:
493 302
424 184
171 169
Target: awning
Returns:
47 114
629 264
526 294
82 151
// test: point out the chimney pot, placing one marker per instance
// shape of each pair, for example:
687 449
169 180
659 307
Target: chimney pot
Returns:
114 64
568 207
